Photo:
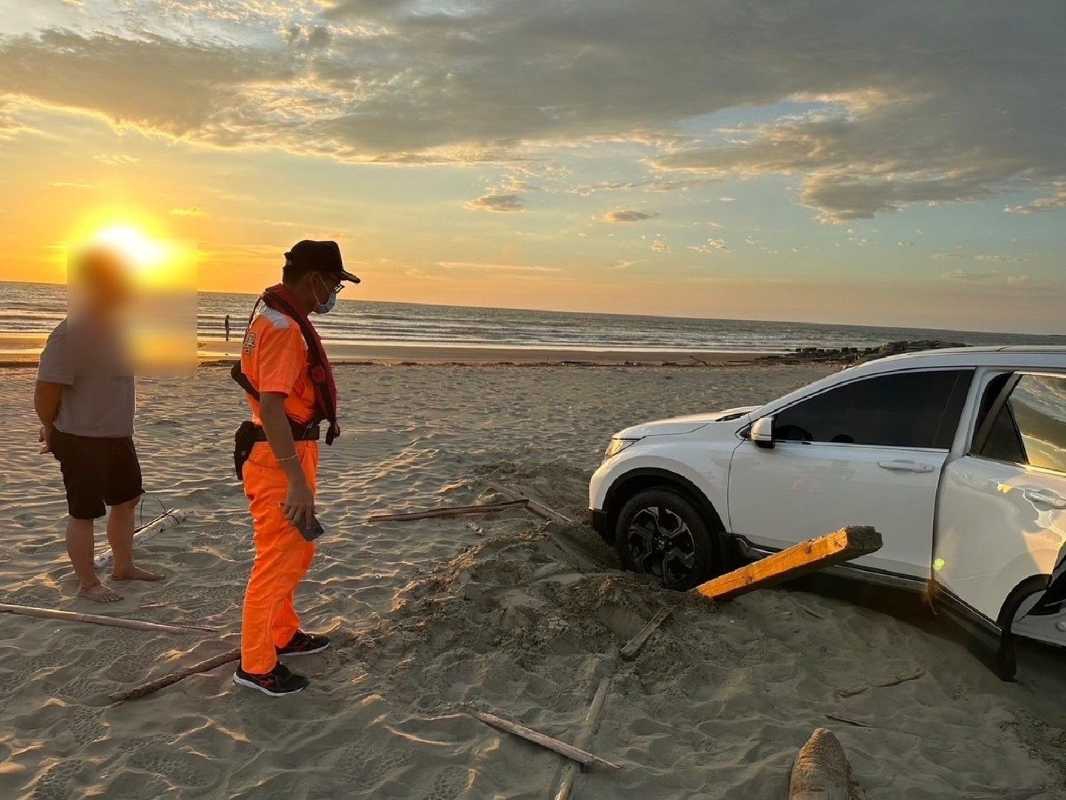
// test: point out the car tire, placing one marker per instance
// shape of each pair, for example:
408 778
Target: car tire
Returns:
661 533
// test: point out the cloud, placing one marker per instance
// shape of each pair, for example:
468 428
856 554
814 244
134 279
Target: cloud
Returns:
1054 202
660 246
710 247
627 216
902 102
187 212
115 159
497 203
998 279
471 265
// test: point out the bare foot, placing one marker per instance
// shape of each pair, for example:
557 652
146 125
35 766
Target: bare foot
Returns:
99 594
136 574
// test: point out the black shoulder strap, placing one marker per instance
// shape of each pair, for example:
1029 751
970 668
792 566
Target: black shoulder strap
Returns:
242 380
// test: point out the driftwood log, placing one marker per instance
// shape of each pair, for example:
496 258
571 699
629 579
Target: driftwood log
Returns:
821 771
582 757
813 554
449 511
584 737
173 677
100 619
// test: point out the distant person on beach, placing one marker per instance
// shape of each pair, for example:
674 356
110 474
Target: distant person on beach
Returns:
227 327
287 377
85 400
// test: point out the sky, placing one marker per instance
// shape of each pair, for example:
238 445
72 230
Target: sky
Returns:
896 163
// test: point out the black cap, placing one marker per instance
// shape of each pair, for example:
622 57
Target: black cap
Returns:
325 257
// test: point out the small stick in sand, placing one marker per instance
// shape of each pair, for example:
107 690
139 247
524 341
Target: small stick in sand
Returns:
448 511
168 519
634 645
535 506
555 745
99 619
845 720
895 682
584 737
174 677
821 771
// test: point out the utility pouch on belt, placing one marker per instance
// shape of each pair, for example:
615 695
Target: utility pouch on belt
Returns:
243 441
249 433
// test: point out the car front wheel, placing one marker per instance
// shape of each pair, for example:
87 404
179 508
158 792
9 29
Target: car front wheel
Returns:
661 533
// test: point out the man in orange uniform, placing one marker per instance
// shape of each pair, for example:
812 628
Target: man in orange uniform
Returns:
285 371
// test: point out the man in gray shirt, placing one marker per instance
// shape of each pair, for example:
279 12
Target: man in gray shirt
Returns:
85 399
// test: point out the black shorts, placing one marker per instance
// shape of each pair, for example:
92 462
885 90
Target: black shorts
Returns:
96 471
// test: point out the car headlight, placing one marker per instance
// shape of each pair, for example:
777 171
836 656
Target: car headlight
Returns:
617 445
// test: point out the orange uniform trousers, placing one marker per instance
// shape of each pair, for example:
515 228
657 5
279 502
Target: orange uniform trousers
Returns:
282 557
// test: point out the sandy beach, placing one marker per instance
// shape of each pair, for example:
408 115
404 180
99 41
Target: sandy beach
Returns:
501 613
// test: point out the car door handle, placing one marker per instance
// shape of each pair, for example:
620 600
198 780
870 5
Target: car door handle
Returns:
1045 498
905 465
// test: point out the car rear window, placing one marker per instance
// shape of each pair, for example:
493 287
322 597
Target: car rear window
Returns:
907 409
1030 427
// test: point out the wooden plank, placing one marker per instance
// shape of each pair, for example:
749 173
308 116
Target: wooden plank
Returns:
562 748
166 520
813 554
584 738
448 511
173 677
634 645
99 619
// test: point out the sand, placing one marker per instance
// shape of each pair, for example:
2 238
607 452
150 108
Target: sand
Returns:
503 613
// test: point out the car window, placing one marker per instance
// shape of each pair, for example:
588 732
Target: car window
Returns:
908 409
1031 426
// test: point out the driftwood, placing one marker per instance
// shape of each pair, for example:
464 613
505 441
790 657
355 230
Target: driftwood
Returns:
584 737
821 771
174 677
634 645
535 506
833 548
168 519
99 619
562 748
449 511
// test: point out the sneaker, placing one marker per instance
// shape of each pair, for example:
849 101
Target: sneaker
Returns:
303 644
276 683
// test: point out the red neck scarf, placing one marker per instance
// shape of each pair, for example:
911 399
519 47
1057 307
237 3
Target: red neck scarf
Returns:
280 298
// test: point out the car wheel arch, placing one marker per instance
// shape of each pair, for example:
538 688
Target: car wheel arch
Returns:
640 479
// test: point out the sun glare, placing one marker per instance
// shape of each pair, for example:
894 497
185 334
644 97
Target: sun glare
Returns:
142 252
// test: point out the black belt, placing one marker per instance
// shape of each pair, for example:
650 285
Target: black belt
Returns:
301 432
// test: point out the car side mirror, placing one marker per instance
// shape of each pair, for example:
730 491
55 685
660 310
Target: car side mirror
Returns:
762 432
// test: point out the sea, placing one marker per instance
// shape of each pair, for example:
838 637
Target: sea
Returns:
32 308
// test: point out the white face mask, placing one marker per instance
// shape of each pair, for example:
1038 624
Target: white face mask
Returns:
327 305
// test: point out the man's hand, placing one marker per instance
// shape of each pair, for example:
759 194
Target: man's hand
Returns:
45 438
299 505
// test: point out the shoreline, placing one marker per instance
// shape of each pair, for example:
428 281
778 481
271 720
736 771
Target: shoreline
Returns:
215 353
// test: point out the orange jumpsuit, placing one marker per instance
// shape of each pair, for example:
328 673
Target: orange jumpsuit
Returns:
274 357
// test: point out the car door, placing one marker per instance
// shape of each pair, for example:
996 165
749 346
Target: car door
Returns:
868 452
1002 514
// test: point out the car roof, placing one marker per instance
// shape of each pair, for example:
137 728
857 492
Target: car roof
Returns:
1011 357
1018 356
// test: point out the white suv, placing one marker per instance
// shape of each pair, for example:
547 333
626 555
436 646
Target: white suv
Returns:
957 457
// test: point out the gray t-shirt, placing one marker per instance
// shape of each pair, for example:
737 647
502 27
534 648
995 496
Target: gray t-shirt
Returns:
99 397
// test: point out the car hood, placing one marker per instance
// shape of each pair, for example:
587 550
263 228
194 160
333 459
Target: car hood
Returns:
679 425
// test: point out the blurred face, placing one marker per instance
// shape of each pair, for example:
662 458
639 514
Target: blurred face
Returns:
100 284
